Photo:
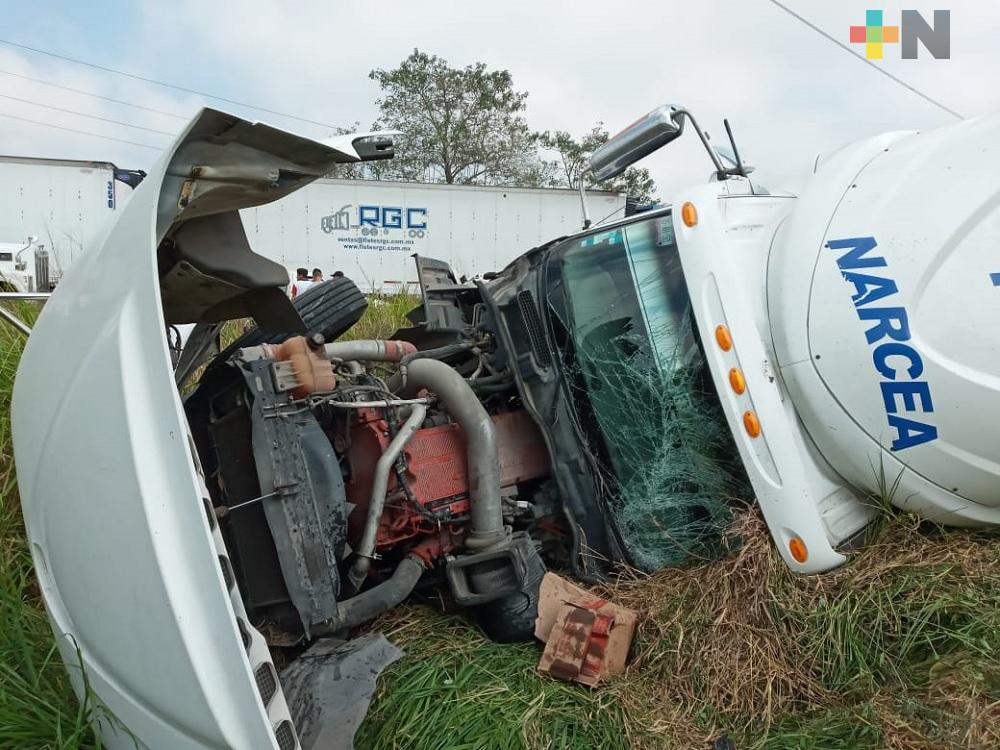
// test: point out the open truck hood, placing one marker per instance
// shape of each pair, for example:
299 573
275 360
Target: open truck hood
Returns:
129 558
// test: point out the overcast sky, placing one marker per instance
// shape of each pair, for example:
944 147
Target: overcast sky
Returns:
789 93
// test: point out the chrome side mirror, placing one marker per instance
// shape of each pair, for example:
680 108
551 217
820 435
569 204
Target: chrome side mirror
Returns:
637 141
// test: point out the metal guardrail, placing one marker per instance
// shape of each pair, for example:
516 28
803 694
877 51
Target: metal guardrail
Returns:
10 317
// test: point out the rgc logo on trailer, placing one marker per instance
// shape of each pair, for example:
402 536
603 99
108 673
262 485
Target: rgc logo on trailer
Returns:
370 219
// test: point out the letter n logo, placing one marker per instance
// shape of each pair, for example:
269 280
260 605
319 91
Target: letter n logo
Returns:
936 38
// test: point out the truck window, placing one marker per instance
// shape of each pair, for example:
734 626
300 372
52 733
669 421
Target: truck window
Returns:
635 364
627 309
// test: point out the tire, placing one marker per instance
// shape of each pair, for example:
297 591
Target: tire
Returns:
511 619
330 308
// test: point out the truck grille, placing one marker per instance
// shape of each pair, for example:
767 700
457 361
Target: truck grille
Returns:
533 325
285 735
267 685
227 571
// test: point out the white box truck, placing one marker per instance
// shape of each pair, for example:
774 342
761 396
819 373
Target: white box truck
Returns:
64 204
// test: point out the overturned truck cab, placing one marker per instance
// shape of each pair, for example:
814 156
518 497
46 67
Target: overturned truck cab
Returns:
188 514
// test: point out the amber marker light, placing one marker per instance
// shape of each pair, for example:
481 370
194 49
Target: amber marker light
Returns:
798 550
689 214
737 381
723 339
751 424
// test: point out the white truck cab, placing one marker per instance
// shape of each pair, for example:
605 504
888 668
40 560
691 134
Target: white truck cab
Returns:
20 263
850 331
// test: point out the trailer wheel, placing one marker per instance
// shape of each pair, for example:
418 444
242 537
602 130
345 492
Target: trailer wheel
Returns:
511 619
330 308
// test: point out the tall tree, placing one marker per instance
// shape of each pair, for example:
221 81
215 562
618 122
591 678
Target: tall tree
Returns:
460 125
571 161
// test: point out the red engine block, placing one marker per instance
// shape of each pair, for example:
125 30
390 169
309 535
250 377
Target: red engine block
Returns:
437 475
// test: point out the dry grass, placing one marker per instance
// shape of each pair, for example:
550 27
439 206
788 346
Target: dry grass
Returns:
710 632
905 638
900 648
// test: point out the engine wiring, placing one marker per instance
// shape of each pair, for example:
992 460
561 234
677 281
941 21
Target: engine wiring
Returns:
400 471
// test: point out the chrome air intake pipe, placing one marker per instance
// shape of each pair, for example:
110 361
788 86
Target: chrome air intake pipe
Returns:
459 400
380 485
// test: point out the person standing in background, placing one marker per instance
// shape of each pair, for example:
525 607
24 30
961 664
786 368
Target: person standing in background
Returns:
317 276
301 283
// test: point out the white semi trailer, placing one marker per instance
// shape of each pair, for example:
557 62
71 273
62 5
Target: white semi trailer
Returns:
367 229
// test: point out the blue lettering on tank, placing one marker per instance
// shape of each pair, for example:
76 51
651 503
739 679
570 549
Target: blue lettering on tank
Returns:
895 359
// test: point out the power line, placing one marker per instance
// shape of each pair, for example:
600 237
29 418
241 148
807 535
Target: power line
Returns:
868 62
174 86
96 96
80 132
82 114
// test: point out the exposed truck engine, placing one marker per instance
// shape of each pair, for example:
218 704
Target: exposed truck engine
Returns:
378 477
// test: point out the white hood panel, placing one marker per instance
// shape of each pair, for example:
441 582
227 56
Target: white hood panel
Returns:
112 503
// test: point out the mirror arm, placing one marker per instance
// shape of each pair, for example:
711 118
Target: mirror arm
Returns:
739 169
583 199
719 169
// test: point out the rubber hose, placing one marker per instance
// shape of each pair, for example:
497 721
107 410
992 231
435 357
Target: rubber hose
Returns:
371 603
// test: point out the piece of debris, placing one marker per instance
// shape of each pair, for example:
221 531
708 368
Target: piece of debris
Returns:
329 686
586 637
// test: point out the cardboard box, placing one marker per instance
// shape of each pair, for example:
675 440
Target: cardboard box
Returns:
586 637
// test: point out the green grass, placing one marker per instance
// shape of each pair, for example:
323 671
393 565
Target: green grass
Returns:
386 314
37 706
455 690
898 649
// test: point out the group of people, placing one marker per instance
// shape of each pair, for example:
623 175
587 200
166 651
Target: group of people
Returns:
303 280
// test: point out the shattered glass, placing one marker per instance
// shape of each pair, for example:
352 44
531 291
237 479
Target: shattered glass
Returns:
669 465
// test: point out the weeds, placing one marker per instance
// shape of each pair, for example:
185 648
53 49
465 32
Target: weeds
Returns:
386 314
37 706
898 649
455 689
